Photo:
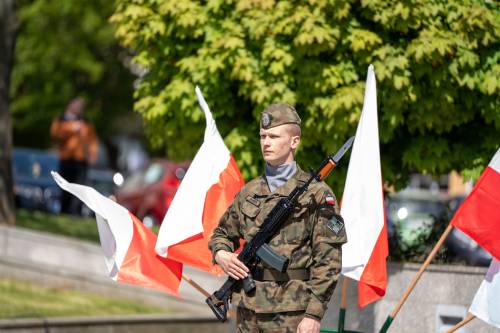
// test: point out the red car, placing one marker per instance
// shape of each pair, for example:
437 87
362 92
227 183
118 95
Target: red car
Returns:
149 192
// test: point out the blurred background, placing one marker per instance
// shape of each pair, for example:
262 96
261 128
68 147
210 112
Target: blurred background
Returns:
134 65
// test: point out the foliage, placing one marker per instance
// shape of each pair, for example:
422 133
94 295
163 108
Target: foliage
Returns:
437 65
66 49
26 300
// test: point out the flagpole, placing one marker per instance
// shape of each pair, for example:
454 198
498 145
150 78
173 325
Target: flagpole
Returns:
464 322
343 306
195 285
343 302
426 263
231 312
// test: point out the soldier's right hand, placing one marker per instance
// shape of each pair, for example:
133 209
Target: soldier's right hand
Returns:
231 265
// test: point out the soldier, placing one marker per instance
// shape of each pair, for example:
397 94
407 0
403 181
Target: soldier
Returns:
294 301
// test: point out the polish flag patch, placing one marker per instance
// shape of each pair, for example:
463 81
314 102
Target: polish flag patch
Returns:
330 200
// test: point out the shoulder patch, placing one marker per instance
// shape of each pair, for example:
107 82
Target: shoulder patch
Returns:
335 224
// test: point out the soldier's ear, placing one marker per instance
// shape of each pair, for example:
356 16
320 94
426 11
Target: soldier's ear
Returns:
295 141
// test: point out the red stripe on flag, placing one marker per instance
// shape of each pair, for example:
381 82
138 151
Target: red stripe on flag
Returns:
220 196
142 266
373 280
194 250
479 214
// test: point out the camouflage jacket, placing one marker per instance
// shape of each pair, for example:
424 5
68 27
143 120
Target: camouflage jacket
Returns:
308 239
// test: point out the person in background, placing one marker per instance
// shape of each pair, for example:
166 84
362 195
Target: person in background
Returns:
77 146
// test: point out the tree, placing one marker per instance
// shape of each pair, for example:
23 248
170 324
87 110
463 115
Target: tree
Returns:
437 65
7 30
66 49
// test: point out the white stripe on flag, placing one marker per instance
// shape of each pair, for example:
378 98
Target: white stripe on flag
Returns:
115 237
486 303
495 162
362 202
184 216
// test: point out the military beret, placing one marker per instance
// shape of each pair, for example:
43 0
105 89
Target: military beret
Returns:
278 114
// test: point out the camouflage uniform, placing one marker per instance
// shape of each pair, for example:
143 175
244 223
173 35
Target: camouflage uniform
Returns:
311 239
279 322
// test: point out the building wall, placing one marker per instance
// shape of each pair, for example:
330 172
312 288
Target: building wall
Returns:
442 295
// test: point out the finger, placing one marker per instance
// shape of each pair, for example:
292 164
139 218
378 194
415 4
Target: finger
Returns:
225 268
239 270
236 274
241 265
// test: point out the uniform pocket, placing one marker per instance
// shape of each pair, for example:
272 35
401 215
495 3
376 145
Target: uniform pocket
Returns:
251 207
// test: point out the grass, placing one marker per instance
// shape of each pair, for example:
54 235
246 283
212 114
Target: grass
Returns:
67 225
25 300
22 300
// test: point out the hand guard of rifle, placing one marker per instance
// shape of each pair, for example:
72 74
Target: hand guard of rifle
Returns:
257 249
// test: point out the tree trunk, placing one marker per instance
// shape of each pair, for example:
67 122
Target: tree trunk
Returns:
7 38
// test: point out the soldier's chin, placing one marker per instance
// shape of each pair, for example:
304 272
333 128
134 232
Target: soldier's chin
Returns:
271 161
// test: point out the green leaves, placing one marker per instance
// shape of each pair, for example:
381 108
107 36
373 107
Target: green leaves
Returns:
437 67
360 40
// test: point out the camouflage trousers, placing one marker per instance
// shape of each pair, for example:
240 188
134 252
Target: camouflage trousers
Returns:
281 322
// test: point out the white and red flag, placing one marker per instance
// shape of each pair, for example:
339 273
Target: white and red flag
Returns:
486 303
364 255
479 214
208 188
127 244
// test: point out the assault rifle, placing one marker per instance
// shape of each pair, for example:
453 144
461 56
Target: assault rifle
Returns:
258 249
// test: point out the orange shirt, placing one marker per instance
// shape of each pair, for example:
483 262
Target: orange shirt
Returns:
75 139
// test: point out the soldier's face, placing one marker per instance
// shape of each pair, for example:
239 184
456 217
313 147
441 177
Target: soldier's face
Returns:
278 144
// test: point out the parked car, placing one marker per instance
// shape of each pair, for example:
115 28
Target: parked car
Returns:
149 192
34 187
411 214
462 245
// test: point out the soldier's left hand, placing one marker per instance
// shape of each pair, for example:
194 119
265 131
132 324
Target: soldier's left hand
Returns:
308 325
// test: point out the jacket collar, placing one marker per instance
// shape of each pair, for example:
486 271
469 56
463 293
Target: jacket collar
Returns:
298 178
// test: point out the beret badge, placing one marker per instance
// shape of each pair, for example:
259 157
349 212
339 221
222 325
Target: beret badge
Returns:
266 120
